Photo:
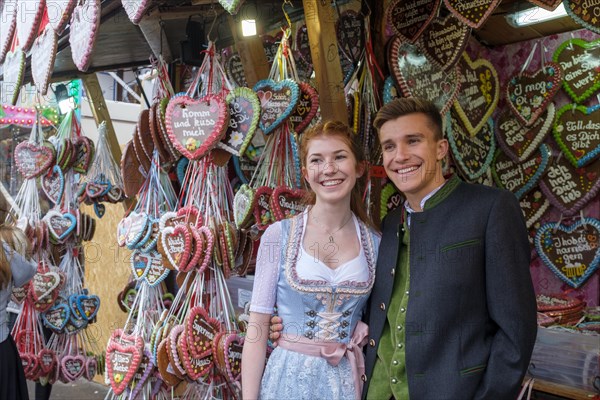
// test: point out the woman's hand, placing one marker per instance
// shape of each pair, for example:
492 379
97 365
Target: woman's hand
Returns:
275 329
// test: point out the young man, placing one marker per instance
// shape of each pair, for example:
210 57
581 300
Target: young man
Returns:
452 313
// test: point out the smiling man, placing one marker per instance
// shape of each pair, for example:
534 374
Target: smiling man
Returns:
452 314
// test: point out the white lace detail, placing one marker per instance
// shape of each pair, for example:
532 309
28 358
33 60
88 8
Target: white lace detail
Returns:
264 291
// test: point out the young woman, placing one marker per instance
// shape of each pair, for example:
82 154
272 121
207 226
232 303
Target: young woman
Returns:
317 269
15 270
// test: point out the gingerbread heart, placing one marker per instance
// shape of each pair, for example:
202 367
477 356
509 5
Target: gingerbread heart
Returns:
579 61
29 14
19 294
271 45
570 251
235 70
529 94
157 271
307 108
549 5
473 154
349 29
418 77
200 330
84 154
143 372
390 200
57 317
48 360
472 13
135 9
13 68
389 90
577 132
569 188
85 23
244 113
303 44
8 22
137 229
278 100
122 361
243 205
91 368
444 41
43 53
30 364
53 184
60 225
208 240
72 367
584 13
196 126
59 13
176 246
286 202
130 167
44 285
410 18
164 366
479 92
263 215
88 306
533 205
521 177
518 141
195 367
139 264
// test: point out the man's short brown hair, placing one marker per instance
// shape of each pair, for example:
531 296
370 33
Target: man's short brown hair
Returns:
411 105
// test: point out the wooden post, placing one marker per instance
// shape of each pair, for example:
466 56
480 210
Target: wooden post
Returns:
100 112
320 22
252 54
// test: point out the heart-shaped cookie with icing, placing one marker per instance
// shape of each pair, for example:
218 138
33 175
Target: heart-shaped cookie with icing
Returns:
410 18
200 330
569 188
13 68
29 14
195 126
271 45
135 9
520 177
176 244
584 13
529 94
59 13
85 23
444 41
243 205
244 113
577 132
53 184
579 61
277 100
72 367
418 77
570 251
519 141
88 306
479 92
307 108
472 13
91 368
85 150
235 70
472 154
286 202
349 29
534 204
549 5
390 200
139 263
43 53
263 215
143 372
122 361
228 355
138 228
48 360
60 225
30 363
57 317
8 22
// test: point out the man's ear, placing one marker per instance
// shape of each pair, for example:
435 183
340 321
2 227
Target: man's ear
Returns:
442 149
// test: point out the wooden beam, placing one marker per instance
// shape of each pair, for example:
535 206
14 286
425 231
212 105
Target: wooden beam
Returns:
252 54
100 112
320 22
156 37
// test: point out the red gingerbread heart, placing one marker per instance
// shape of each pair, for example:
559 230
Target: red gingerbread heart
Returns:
72 367
200 330
33 159
286 202
472 13
410 18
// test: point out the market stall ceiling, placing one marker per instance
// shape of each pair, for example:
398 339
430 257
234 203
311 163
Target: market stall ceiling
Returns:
120 44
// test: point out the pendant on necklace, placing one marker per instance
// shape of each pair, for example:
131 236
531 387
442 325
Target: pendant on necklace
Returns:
330 239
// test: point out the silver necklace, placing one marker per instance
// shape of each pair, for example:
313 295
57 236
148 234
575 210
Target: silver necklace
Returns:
331 234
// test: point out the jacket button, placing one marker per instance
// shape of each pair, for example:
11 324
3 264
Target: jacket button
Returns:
382 306
392 272
363 378
372 342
